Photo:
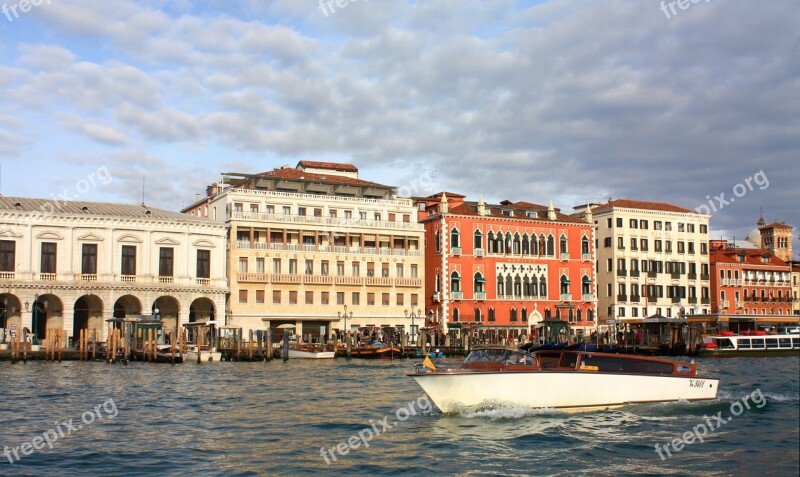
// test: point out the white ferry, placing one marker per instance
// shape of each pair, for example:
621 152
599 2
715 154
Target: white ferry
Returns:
780 341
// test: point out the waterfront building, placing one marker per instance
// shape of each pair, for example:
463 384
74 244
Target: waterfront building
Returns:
777 238
317 247
796 288
749 281
73 264
507 269
652 260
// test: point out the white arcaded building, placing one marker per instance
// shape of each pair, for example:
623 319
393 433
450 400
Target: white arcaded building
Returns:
72 265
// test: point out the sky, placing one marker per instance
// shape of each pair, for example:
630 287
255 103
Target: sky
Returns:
566 101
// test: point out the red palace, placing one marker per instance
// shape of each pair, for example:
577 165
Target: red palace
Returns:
503 270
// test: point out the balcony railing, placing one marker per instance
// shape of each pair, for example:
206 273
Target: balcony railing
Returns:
566 297
166 279
676 299
6 275
634 273
652 274
127 278
478 252
705 276
622 297
635 298
456 251
724 282
408 282
622 273
333 221
457 295
692 300
726 304
345 280
318 279
564 255
88 277
692 276
480 296
705 301
47 277
676 275
285 278
586 257
203 281
379 281
587 297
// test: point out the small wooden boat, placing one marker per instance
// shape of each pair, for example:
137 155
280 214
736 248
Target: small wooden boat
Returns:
375 350
309 351
561 379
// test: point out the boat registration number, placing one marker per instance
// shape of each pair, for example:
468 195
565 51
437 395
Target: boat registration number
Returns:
697 383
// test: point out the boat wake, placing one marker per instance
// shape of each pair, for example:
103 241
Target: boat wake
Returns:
500 411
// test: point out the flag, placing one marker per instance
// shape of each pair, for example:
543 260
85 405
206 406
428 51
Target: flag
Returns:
428 363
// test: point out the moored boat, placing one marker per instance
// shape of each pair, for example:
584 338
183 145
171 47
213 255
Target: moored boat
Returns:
785 342
569 380
375 350
309 351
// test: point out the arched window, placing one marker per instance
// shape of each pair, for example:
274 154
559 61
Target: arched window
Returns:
477 241
579 315
478 316
491 314
563 246
517 286
586 285
543 288
551 246
500 288
455 282
499 243
437 283
513 314
571 315
558 313
526 287
564 284
535 287
454 238
589 315
509 241
542 245
524 314
517 249
585 245
479 283
490 242
534 245
437 241
547 313
525 245
509 286
456 315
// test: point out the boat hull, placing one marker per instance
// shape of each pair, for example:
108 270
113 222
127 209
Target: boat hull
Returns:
567 390
310 354
205 356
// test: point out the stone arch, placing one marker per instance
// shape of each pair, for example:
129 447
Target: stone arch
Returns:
87 314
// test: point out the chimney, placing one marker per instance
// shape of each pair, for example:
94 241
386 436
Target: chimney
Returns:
197 197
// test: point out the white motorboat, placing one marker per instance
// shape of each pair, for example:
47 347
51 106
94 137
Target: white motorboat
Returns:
206 354
567 380
308 351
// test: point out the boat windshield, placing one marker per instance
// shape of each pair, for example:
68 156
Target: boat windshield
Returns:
499 356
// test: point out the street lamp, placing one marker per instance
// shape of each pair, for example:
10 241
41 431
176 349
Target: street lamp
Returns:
413 315
344 315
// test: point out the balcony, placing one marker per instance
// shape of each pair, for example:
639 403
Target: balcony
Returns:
623 298
705 301
408 282
635 298
317 279
725 303
652 274
724 282
47 277
331 221
166 280
692 300
343 280
127 278
437 297
564 256
202 281
622 273
587 297
676 299
6 275
566 297
675 275
378 282
252 277
456 251
586 257
286 278
634 273
457 295
478 252
86 277
705 277
739 304
692 276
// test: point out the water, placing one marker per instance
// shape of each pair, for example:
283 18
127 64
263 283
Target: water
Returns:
273 418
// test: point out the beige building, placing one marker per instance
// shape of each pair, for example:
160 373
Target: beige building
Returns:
652 259
72 265
308 244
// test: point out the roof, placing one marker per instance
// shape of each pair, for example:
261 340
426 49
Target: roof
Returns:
776 225
334 166
520 212
752 256
102 209
642 204
297 174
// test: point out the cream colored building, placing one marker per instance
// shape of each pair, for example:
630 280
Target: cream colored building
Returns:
72 265
796 288
307 243
652 260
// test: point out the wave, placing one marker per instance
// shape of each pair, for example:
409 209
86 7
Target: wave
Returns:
498 411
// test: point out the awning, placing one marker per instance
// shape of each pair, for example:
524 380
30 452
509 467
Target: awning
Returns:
480 280
565 280
587 280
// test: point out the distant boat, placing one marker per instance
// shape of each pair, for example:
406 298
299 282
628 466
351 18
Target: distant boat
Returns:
309 351
785 341
375 350
562 379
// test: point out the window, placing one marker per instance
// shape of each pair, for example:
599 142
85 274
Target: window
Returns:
293 266
704 248
619 222
309 267
643 245
607 242
385 299
657 225
8 251
690 228
301 211
370 299
370 269
608 222
165 261
287 210
356 269
524 314
356 298
621 243
348 214
414 272
691 247
399 299
128 260
454 238
608 289
270 209
703 229
259 265
309 298
340 298
634 244
324 297
668 246
276 265
242 296
513 314
259 296
477 239
681 227
317 212
340 268
237 207
634 224
491 313
276 297
610 265
324 268
681 247
414 299
563 246
436 241
48 259
293 297
668 226
254 208
398 270
657 245
385 270
242 264
203 263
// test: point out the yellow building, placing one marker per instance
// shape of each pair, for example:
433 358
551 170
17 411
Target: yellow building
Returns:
310 244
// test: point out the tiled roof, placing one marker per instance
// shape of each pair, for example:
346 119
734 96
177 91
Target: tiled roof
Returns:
102 209
296 174
776 225
334 166
642 204
471 209
752 256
